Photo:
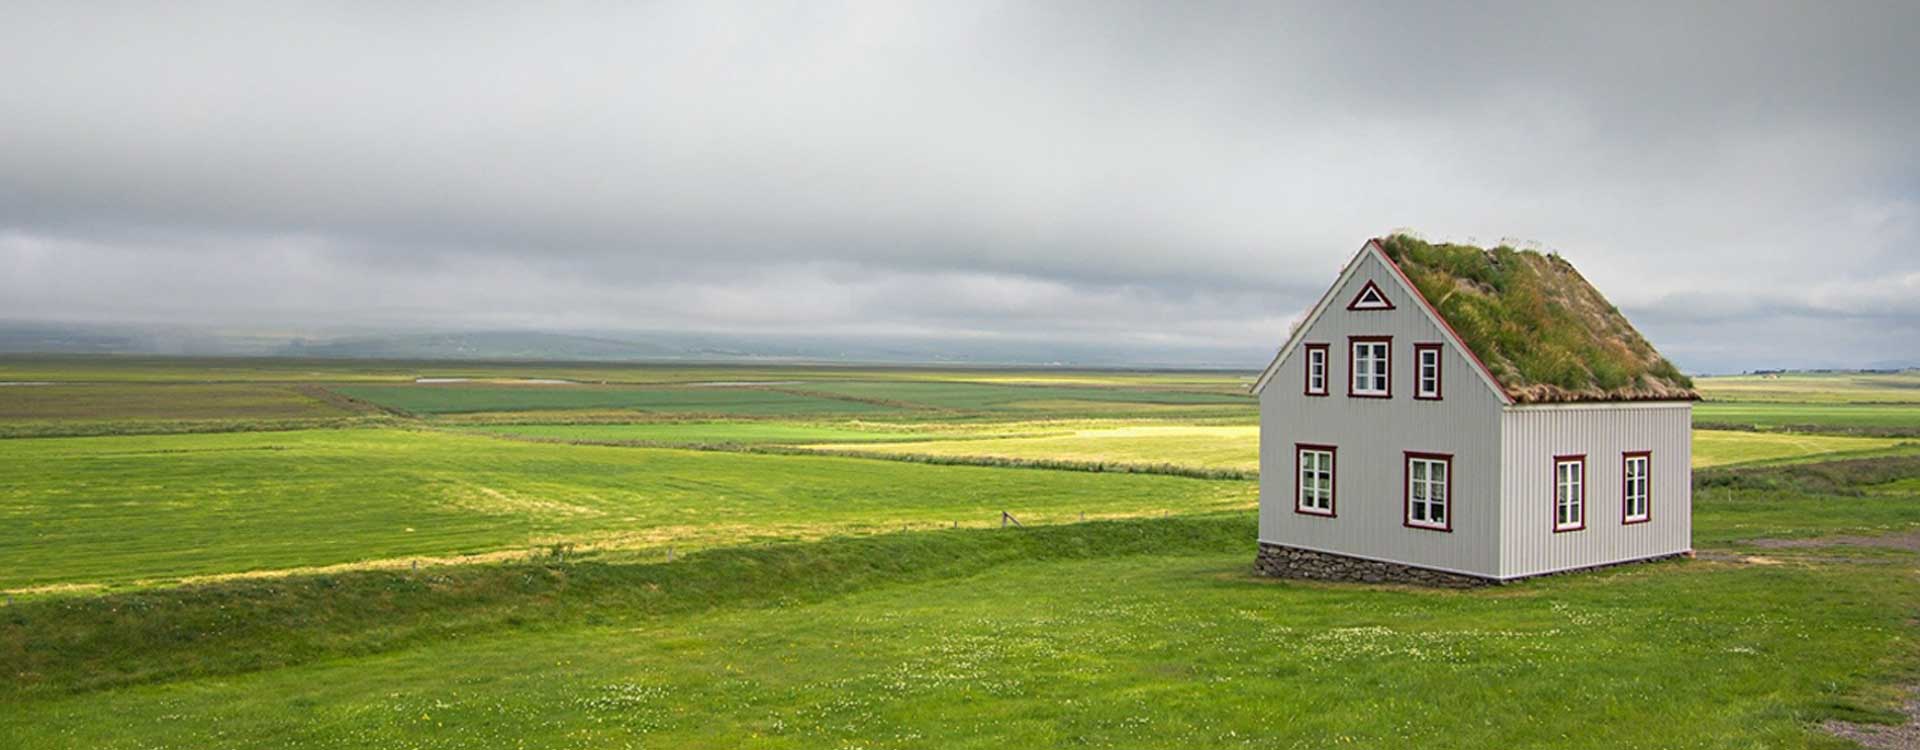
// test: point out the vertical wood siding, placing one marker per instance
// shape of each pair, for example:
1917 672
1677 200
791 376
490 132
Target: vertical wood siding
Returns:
1373 435
1533 435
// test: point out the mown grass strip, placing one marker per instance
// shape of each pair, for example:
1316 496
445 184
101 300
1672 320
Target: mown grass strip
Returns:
67 645
1054 464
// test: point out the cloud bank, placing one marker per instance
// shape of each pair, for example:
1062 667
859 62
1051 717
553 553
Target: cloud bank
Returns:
1743 181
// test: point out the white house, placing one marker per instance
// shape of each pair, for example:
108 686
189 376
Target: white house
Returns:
1453 415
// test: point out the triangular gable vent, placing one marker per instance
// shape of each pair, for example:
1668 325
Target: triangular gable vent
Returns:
1370 298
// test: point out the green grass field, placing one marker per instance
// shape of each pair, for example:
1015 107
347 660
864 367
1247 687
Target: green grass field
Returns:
1144 651
1234 447
461 398
703 433
1818 388
253 585
1720 447
121 510
1000 396
124 402
1146 633
1809 414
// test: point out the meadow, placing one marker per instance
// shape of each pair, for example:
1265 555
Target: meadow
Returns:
133 509
315 553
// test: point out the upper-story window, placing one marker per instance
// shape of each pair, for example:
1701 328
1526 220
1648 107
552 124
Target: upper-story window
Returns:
1317 369
1636 488
1426 371
1370 367
1569 493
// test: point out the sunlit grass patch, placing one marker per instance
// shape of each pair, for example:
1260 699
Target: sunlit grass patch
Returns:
1717 447
1131 650
1203 446
128 509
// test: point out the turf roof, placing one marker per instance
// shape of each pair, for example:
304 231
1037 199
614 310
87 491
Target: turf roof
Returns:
1544 333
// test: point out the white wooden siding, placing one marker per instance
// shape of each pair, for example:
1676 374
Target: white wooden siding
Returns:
1533 435
1373 435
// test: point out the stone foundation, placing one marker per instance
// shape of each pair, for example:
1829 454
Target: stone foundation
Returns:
1293 562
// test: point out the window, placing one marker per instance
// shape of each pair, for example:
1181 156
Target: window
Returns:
1636 489
1368 361
1316 369
1569 493
1429 491
1313 485
1370 298
1426 371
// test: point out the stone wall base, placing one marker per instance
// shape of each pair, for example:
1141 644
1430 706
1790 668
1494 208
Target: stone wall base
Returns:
1281 561
1294 562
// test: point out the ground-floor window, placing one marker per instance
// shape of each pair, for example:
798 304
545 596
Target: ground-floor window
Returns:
1313 482
1569 493
1636 492
1429 490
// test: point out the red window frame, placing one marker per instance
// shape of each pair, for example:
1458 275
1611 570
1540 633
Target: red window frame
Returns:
1333 480
1406 490
1326 370
1439 379
1553 482
1625 519
1353 340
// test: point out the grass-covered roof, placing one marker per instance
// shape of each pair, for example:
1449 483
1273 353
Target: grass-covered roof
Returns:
1544 333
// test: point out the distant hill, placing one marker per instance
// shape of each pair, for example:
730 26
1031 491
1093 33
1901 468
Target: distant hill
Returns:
613 346
481 345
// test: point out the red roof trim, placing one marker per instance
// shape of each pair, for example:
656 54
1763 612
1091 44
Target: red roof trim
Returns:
1475 358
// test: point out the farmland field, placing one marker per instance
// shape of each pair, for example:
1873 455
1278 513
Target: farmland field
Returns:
115 402
1234 447
695 433
1162 650
1718 447
251 582
1819 388
1809 414
458 398
127 509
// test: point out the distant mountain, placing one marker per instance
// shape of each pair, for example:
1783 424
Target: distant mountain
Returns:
63 340
481 345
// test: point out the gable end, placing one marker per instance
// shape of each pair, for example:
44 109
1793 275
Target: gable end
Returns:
1405 287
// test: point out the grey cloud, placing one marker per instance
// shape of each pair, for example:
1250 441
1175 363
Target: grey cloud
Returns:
1155 171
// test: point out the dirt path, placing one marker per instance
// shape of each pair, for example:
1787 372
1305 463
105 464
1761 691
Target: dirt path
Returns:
1880 736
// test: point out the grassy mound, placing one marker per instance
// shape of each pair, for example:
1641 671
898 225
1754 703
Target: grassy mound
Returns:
1544 332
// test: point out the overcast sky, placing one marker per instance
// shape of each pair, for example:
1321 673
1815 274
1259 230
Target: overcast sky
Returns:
1743 181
